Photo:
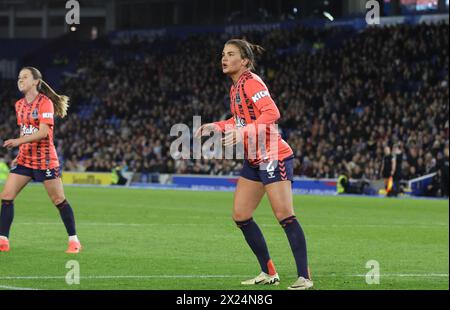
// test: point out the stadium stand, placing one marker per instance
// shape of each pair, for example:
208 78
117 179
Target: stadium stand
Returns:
343 95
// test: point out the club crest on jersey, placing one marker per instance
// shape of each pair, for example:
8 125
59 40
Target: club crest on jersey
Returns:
238 99
35 114
29 130
260 95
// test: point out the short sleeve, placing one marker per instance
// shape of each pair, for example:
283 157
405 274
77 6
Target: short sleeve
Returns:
46 112
258 93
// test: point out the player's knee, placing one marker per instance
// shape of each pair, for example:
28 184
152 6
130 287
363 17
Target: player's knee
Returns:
7 196
239 216
57 199
281 215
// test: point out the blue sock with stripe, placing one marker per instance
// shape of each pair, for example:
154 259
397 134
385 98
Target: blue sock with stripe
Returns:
67 216
257 243
297 241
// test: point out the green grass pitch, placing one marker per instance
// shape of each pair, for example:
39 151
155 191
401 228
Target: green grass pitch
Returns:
165 239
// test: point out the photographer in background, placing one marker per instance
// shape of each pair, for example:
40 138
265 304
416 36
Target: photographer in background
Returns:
345 186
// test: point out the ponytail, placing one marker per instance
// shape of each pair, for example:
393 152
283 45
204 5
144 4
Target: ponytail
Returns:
257 49
60 102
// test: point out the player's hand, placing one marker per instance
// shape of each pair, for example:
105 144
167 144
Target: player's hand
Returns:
13 163
232 137
11 143
206 128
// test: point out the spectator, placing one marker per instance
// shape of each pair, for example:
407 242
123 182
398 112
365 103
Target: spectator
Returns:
340 105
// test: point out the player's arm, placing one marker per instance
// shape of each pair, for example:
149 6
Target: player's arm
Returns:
260 96
46 120
269 113
42 133
223 124
13 163
216 126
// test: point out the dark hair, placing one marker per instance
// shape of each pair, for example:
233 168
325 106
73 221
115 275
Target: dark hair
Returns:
60 102
247 51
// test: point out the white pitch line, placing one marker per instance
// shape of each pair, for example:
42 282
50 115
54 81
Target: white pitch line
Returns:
100 277
392 275
123 277
15 288
394 225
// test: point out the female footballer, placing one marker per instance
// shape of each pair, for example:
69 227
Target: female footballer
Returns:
37 158
269 170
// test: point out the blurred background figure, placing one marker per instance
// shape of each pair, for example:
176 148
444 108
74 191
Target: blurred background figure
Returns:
387 166
443 172
340 104
397 159
4 169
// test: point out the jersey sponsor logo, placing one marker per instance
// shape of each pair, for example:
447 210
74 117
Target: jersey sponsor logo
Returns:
47 115
260 95
29 130
35 114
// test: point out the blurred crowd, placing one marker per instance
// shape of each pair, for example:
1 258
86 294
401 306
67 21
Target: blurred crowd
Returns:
342 95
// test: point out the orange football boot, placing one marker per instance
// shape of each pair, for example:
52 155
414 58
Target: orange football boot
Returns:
4 245
74 247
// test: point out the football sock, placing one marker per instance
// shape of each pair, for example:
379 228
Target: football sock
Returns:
6 217
297 242
74 238
66 212
255 240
